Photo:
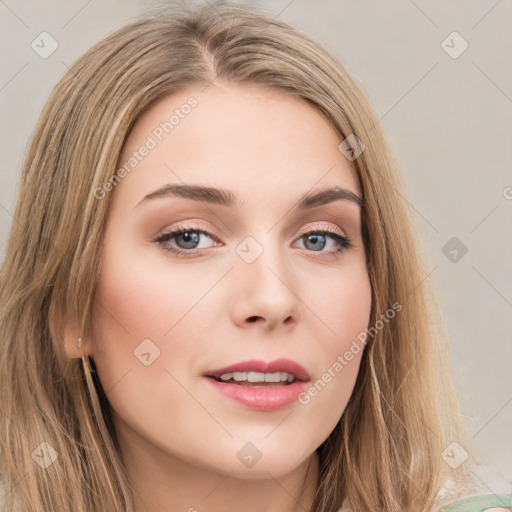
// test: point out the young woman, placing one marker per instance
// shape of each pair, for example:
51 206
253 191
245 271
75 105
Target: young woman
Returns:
213 297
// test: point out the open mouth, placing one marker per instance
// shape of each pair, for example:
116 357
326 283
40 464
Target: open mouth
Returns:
256 379
260 385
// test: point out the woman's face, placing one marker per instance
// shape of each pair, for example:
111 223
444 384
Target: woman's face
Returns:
247 286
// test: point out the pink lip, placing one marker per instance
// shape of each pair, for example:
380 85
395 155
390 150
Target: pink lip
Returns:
262 397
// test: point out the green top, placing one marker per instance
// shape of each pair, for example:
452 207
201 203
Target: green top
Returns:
480 503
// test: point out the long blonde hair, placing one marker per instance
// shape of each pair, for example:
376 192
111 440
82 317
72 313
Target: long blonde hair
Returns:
385 452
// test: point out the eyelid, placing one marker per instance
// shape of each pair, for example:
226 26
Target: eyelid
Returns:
323 226
192 225
210 231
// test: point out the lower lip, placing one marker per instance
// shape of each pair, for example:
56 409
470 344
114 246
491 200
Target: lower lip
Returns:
261 398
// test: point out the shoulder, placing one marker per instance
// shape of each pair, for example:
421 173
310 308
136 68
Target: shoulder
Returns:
483 493
480 503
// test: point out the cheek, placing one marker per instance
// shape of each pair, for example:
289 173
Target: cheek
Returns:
344 308
136 302
136 305
341 303
139 298
350 314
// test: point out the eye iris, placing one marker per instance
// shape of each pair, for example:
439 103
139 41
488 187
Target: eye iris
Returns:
314 239
190 237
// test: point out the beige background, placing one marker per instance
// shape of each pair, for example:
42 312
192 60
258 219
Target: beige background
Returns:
449 120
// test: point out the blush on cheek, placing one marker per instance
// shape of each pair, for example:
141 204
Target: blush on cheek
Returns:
140 300
136 301
348 311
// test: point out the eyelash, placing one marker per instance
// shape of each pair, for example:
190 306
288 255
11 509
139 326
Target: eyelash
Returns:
343 242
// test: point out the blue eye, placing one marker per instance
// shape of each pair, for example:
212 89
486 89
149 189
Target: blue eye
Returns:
319 238
187 239
189 236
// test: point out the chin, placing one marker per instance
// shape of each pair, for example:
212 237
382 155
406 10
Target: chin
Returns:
275 462
265 470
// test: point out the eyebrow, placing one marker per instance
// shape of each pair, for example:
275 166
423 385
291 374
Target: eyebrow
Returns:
227 198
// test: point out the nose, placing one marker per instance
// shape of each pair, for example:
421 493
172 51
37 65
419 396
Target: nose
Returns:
263 290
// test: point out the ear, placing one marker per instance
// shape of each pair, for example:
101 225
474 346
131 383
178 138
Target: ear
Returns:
67 329
71 332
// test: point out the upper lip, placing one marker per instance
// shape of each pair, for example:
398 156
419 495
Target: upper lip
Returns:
258 365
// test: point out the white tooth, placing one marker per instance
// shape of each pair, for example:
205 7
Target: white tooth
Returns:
255 377
258 377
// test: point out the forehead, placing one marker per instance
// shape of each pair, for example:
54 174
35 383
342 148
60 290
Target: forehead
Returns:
259 143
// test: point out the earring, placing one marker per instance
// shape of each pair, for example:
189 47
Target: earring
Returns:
79 342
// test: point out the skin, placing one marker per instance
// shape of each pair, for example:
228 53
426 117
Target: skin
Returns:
179 438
